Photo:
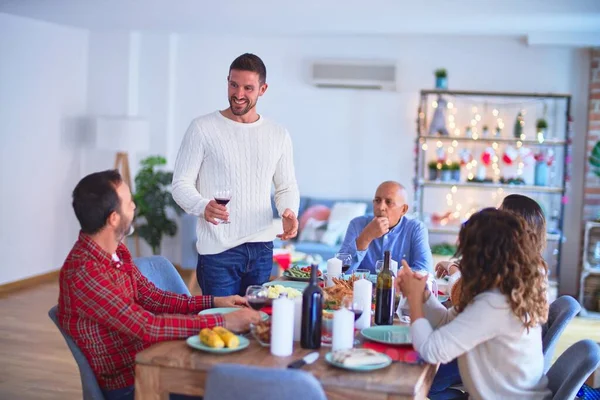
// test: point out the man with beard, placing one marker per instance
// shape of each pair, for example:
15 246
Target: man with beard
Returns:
108 307
407 239
244 153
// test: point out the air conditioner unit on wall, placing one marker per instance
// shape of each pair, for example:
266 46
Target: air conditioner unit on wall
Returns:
350 74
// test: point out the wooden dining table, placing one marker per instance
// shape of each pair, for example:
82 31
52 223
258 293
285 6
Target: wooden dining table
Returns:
174 367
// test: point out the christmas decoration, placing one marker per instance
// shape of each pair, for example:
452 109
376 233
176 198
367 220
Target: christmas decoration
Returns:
465 156
510 155
441 154
519 123
487 156
485 132
438 121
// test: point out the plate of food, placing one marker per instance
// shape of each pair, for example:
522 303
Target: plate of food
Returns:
300 286
297 273
217 340
388 334
333 295
358 359
262 332
225 310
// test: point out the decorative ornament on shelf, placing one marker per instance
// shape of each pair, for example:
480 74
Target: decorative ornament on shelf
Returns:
441 79
455 168
542 162
485 131
487 156
526 155
468 132
510 155
465 156
440 153
519 124
497 132
541 126
438 121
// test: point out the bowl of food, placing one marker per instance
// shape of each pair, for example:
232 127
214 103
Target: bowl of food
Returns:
262 332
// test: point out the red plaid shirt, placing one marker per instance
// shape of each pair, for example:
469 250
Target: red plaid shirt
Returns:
113 312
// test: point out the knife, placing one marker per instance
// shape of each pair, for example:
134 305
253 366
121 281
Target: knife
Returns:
308 359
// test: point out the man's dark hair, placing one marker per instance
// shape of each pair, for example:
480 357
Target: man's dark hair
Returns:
95 198
250 62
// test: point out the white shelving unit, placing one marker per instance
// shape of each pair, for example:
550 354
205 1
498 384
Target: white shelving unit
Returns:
553 194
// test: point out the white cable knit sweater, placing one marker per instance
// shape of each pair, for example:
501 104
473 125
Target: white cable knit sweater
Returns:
247 158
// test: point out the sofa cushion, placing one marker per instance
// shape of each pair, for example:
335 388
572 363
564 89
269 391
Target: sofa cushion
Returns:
317 212
341 215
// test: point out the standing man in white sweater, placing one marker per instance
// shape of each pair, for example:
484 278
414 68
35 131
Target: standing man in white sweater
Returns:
240 150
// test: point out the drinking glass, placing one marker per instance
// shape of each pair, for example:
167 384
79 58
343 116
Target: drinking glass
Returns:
378 266
362 273
357 308
222 196
257 296
346 261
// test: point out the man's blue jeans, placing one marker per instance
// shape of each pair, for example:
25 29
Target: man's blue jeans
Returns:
233 270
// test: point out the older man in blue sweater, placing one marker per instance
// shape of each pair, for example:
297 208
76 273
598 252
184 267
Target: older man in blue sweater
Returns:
407 239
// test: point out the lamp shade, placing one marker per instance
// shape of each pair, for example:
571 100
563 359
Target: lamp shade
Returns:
122 134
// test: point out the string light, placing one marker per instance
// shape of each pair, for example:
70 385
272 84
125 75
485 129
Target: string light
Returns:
434 104
454 143
450 105
439 144
424 146
495 146
454 189
495 112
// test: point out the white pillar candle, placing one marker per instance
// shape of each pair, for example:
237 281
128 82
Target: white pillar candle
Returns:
334 270
363 290
282 327
343 329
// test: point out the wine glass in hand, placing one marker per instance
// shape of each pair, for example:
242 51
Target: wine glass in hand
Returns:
222 197
257 296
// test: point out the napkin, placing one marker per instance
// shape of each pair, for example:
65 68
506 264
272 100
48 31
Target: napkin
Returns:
406 354
359 357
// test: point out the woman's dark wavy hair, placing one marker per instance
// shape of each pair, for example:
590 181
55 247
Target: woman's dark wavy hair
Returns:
531 211
499 250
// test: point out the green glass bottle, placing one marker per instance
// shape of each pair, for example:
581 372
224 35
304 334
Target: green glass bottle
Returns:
384 293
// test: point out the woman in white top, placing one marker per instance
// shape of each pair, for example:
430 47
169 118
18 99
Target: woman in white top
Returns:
494 328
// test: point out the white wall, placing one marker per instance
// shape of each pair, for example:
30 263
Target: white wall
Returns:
43 81
345 141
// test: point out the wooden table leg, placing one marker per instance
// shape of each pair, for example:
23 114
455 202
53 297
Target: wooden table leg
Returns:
147 383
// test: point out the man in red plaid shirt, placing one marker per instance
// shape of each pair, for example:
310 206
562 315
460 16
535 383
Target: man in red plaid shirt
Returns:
105 304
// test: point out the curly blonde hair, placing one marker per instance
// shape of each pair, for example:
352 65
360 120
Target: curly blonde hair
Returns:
499 250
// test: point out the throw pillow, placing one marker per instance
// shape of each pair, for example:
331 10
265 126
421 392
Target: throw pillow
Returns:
313 230
317 212
341 215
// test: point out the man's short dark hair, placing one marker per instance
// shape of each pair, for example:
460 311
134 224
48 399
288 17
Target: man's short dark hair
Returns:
95 198
250 62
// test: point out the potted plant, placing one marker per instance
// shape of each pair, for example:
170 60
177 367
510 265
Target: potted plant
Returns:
446 173
152 199
594 159
441 79
540 127
455 168
433 170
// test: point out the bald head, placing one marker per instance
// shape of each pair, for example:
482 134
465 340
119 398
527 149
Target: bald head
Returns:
390 202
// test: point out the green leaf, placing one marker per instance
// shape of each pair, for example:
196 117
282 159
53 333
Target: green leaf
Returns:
152 198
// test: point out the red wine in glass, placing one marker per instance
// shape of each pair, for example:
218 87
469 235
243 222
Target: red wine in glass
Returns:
345 267
257 303
223 197
357 314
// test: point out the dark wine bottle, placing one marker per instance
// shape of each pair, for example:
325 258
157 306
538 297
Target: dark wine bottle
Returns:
312 313
384 294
